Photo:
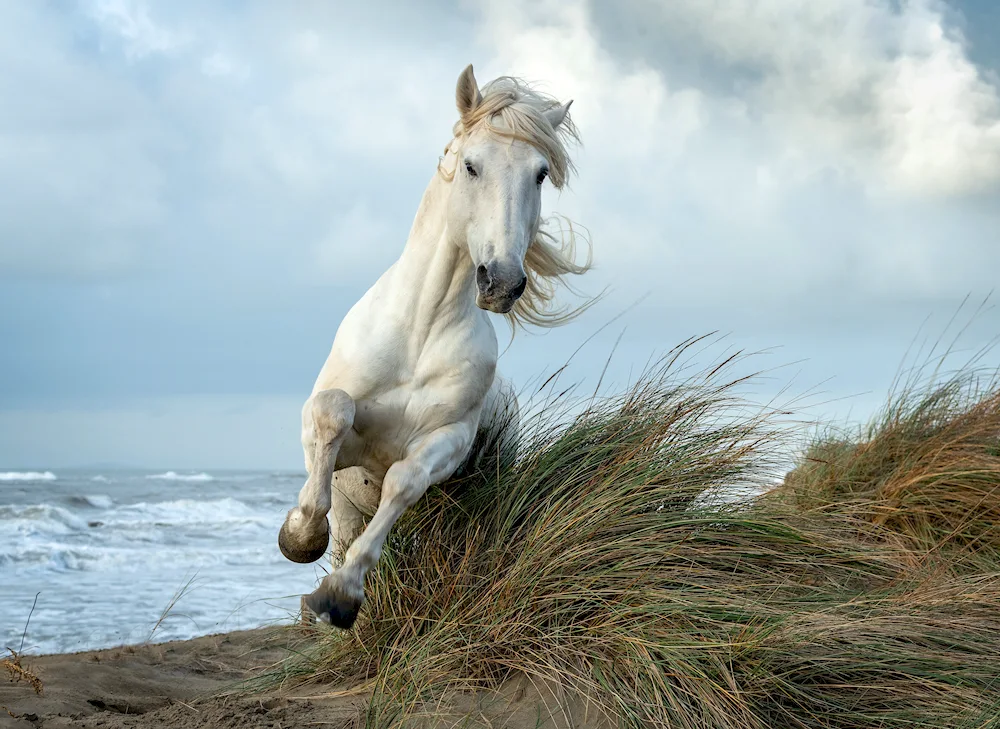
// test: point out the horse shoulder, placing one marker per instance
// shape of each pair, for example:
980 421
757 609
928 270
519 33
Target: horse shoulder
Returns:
361 347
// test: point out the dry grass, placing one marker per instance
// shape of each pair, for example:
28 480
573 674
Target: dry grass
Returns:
17 672
170 608
925 471
587 563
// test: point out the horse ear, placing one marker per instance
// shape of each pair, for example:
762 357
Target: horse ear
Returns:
557 114
467 95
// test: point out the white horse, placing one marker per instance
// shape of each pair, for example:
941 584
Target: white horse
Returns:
411 378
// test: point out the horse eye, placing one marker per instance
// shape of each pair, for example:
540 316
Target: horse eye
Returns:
471 170
541 176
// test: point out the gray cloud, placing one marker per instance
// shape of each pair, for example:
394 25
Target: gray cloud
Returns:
884 88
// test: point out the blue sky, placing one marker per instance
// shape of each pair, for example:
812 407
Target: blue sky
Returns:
193 194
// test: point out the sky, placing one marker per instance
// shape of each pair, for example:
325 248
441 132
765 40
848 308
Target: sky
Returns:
192 195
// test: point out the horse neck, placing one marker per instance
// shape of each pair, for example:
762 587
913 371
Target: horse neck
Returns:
436 277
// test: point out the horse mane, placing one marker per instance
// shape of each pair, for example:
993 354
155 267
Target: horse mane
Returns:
521 110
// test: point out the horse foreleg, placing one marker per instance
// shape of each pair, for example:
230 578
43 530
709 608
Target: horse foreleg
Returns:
327 419
432 460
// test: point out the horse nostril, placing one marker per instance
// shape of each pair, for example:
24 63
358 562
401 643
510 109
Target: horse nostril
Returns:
519 289
483 279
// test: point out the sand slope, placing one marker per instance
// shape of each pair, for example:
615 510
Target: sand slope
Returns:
180 684
164 685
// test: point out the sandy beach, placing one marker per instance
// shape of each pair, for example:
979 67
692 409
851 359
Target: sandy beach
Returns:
176 684
191 683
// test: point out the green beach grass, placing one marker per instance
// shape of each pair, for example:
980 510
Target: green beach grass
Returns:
587 562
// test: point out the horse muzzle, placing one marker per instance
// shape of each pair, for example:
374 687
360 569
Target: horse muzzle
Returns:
499 290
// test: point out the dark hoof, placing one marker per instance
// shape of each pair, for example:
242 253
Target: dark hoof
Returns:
333 607
304 552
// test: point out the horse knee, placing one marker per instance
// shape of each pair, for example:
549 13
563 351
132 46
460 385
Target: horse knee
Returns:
326 419
405 483
332 414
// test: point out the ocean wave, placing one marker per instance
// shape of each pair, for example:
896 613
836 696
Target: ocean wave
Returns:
174 476
96 501
101 479
186 513
27 476
121 558
120 563
30 519
140 522
53 557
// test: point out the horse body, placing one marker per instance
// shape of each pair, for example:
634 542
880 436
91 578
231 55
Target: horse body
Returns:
411 376
396 352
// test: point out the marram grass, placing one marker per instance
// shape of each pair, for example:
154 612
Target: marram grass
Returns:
925 471
585 561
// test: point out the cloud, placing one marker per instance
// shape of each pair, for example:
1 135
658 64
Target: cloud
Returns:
130 22
80 173
885 93
112 169
222 65
883 90
815 155
859 104
193 194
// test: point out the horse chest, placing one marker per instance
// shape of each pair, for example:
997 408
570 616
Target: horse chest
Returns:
391 417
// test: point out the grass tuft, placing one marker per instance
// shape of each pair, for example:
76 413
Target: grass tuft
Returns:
925 471
17 672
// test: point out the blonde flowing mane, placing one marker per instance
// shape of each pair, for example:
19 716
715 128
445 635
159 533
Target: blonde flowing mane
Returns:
549 260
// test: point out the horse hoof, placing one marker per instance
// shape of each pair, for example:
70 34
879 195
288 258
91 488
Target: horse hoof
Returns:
304 551
333 607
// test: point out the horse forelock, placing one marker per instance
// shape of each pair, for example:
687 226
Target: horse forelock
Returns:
512 109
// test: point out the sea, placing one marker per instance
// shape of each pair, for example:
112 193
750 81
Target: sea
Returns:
106 557
102 558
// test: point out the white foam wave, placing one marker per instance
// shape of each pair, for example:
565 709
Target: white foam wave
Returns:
98 501
39 519
93 501
60 557
27 476
145 522
174 476
185 513
45 537
100 479
122 557
122 561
